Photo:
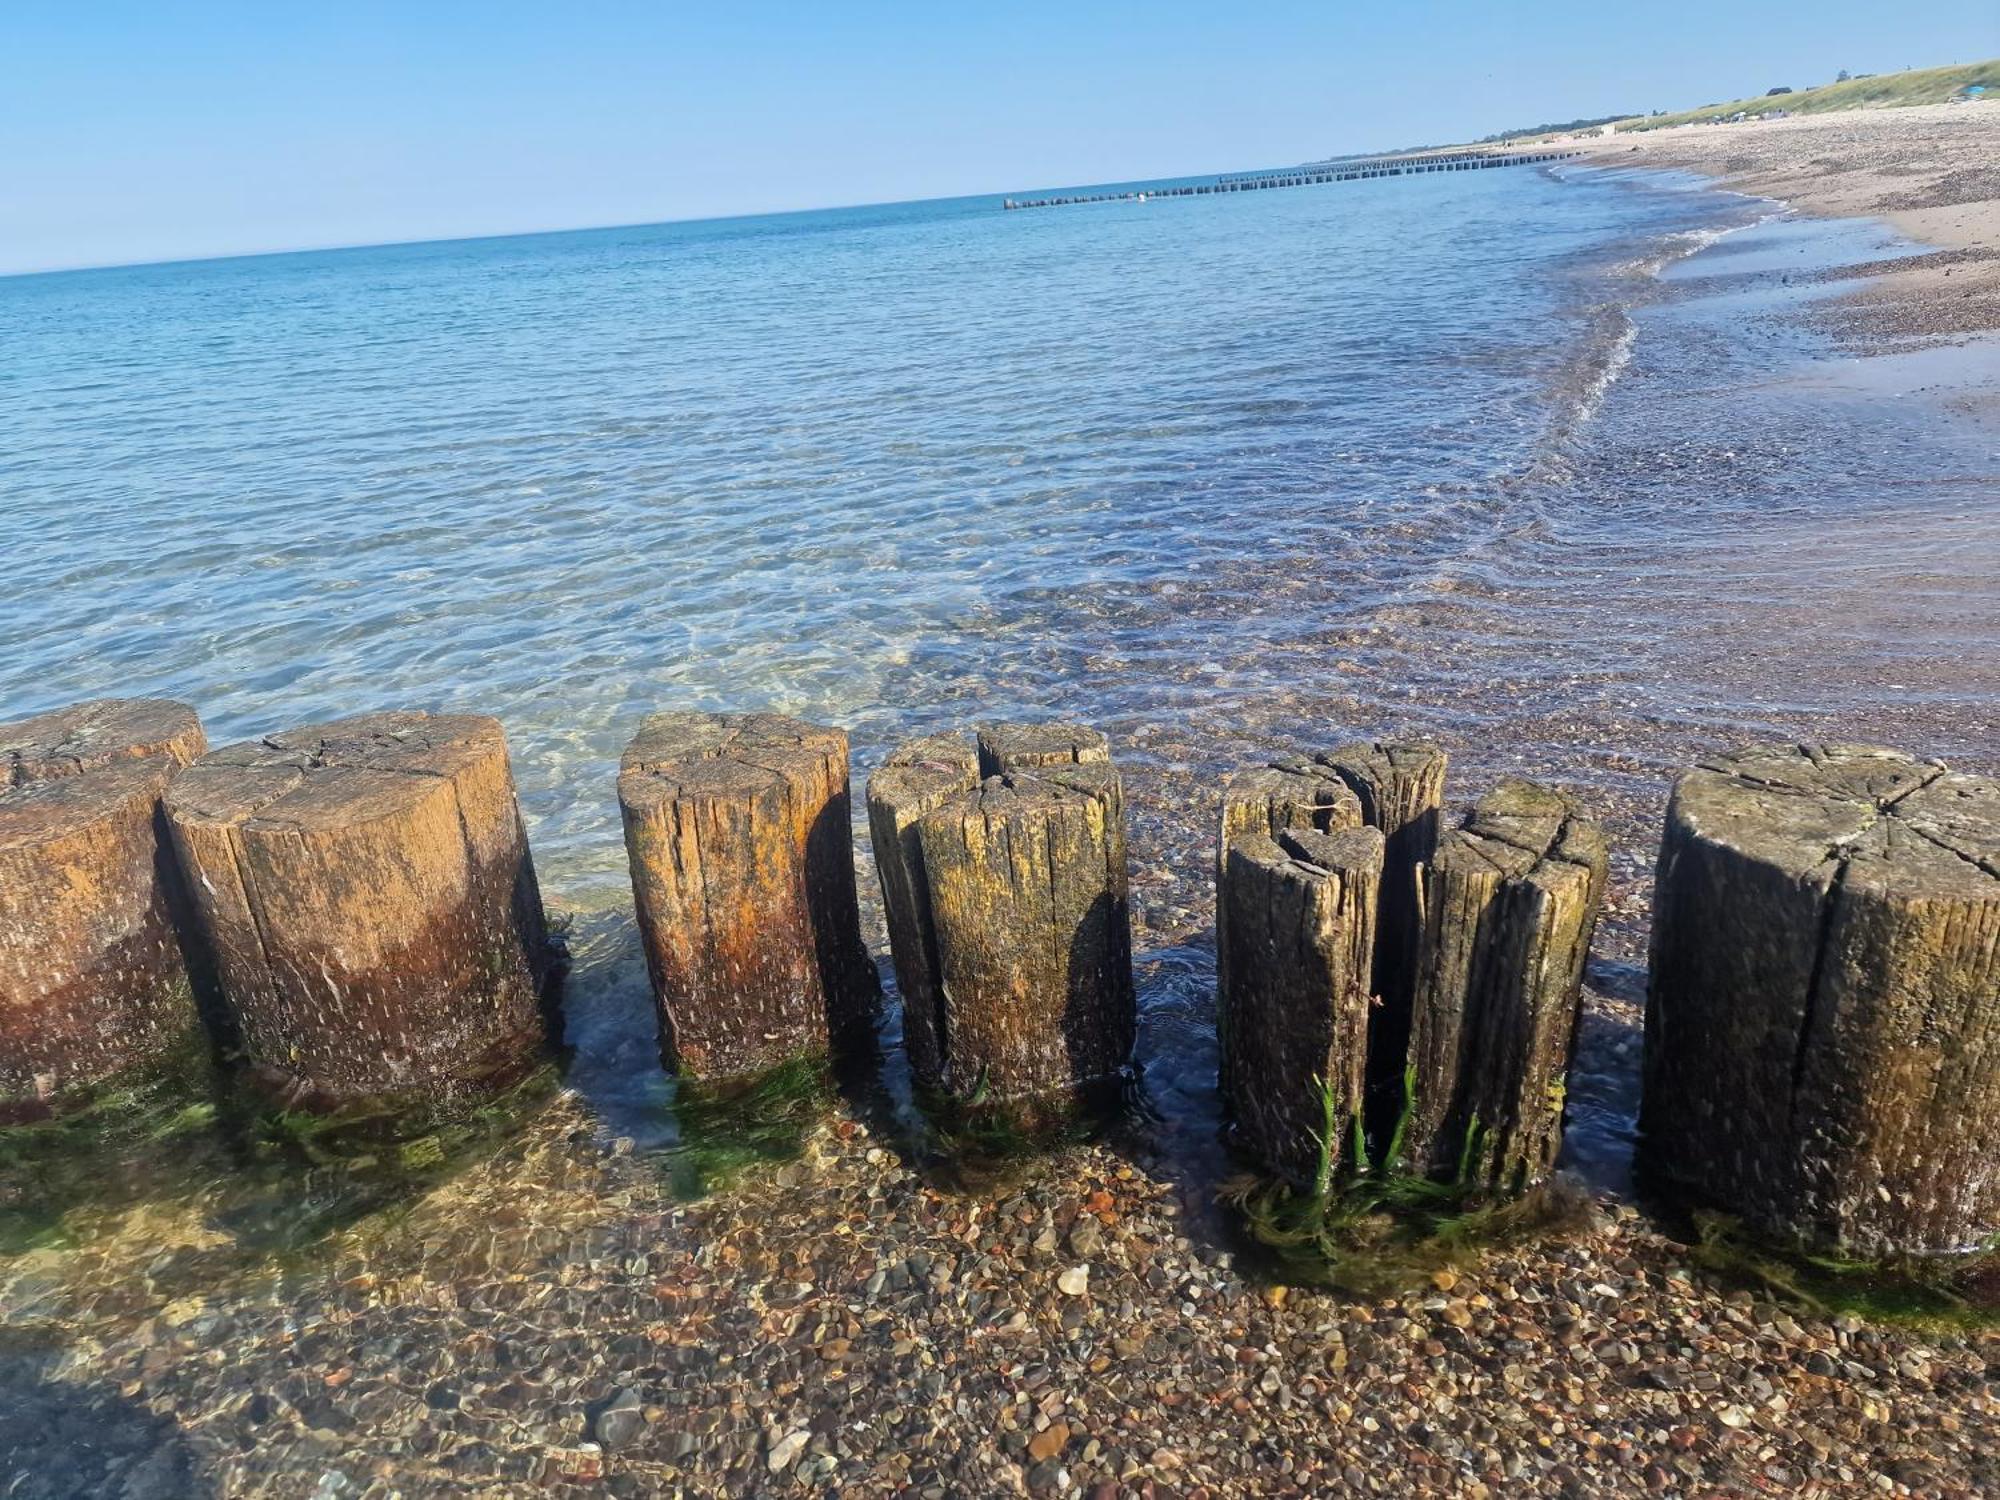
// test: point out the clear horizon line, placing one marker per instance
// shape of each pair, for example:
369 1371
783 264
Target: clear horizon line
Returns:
515 234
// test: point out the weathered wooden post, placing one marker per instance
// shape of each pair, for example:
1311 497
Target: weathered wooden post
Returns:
1029 899
1510 904
93 984
1296 931
367 890
1294 792
1401 787
1004 875
914 780
1823 1027
737 828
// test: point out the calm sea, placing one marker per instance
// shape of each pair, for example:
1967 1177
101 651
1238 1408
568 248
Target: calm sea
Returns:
1542 463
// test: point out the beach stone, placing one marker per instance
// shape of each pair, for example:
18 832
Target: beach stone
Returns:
1296 914
93 981
738 831
366 887
1029 902
1823 1028
915 779
1510 903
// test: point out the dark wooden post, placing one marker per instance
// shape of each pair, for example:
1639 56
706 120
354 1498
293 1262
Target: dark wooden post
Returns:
1510 904
93 985
1027 886
1298 941
366 887
1823 1029
1401 787
742 852
1291 793
916 779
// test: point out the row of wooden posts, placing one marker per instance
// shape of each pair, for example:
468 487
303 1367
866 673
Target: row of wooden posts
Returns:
356 904
1313 176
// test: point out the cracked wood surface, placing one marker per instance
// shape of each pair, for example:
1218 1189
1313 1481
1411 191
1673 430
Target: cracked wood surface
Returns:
87 736
1026 881
916 779
93 982
1401 788
742 856
1823 1031
366 888
1510 901
1299 937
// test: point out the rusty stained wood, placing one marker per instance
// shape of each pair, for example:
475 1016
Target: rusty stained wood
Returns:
1510 903
366 887
1823 1028
1297 912
742 855
93 981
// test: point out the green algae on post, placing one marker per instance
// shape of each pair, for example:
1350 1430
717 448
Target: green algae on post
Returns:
728 1127
1369 1227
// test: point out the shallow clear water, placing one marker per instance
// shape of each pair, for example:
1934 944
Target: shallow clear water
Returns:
1523 460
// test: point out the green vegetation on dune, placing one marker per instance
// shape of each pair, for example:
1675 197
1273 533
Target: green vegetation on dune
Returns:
1884 90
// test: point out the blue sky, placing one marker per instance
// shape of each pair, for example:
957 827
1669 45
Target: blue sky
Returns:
149 131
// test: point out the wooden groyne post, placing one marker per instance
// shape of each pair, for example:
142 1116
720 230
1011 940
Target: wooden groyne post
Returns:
367 890
1823 1026
1296 923
93 983
1271 990
1510 904
1015 954
742 857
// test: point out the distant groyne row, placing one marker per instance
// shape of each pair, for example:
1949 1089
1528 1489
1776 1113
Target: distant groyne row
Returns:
1352 171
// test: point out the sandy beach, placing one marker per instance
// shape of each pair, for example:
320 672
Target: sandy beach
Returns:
1931 171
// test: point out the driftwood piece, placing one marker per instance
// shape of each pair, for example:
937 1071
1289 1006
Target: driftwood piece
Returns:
1401 788
93 983
1823 1028
742 853
366 887
1510 903
916 779
1028 896
1296 918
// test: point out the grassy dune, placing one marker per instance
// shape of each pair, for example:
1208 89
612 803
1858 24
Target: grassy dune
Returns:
1918 86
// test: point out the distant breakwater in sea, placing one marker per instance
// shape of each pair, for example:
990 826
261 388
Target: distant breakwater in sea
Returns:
1316 176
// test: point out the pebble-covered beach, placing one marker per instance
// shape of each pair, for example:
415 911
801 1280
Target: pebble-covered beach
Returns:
839 1326
555 1318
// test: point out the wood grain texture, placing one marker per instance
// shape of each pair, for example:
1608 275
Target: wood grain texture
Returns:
1400 784
88 736
1292 793
738 831
1823 1028
914 780
1300 944
366 888
1030 907
1510 904
93 981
